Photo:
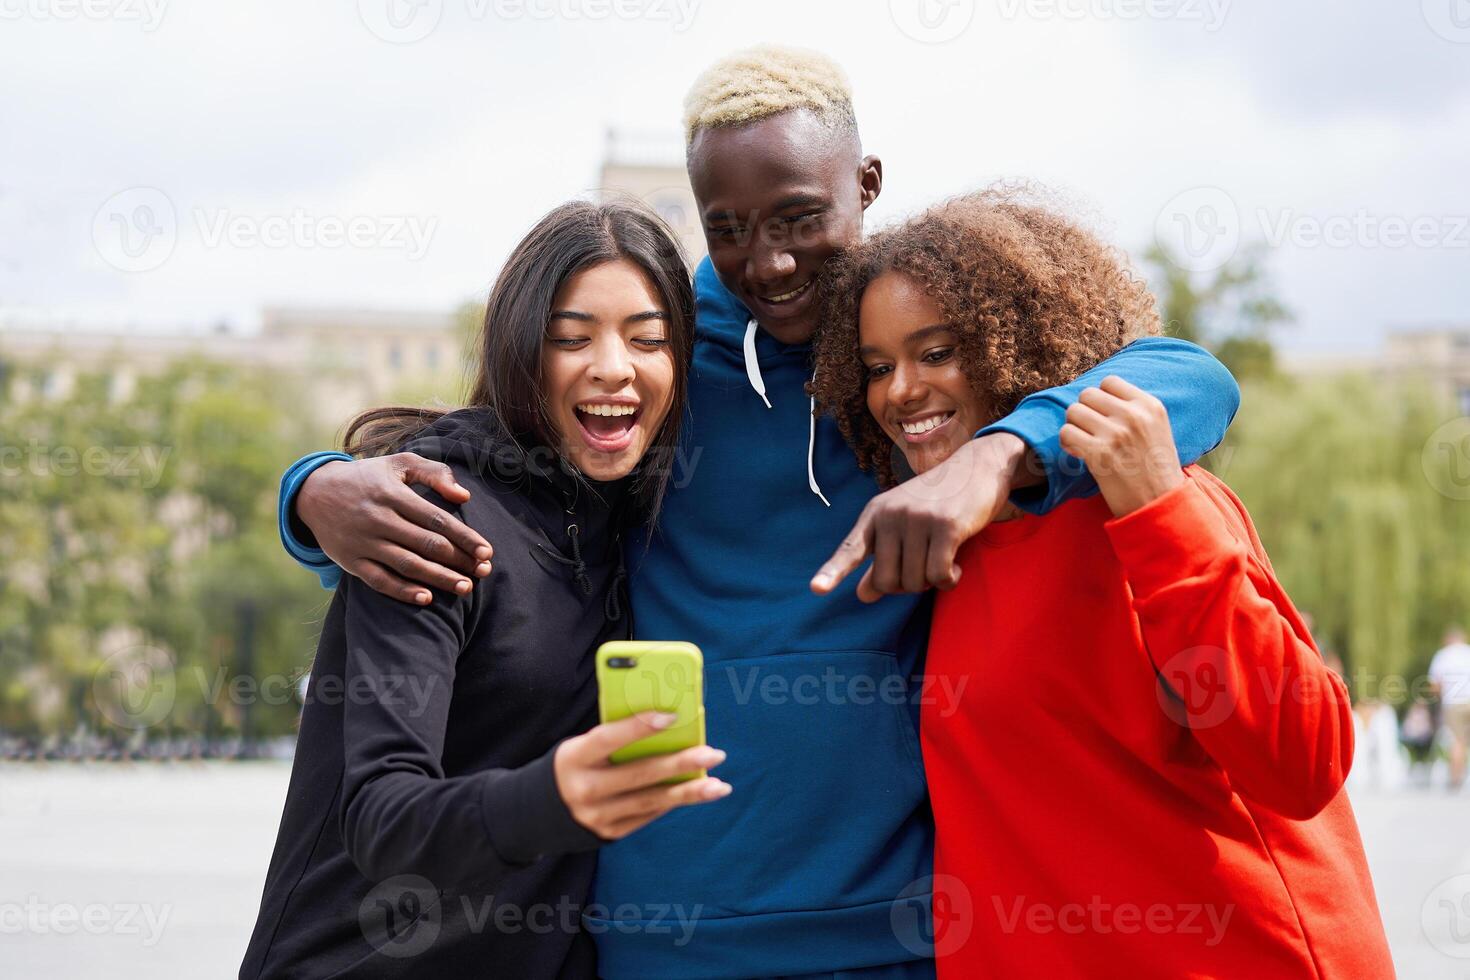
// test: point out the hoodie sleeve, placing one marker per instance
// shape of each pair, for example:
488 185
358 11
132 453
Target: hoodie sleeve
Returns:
1224 637
400 813
295 536
1198 391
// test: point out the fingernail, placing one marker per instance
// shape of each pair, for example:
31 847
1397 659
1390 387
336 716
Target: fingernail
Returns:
713 757
483 568
483 553
460 488
662 719
422 598
821 579
717 790
462 586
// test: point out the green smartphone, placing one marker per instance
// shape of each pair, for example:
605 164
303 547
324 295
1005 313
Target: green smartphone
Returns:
653 675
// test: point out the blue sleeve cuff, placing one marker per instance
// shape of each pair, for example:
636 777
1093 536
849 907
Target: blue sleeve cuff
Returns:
1198 391
308 556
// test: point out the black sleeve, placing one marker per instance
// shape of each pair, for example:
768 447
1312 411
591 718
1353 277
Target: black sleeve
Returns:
400 813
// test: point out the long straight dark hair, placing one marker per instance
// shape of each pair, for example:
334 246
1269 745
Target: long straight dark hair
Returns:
508 378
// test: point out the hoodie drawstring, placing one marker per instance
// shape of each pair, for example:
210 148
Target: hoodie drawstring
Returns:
753 372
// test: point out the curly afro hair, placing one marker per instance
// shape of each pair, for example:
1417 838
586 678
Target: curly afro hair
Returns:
1035 298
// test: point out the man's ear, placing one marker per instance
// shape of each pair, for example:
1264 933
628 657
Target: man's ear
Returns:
870 178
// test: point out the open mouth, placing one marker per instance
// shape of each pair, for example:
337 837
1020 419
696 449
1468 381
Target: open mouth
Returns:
607 427
922 428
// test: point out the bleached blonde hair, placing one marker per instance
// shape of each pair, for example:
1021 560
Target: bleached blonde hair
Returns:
764 81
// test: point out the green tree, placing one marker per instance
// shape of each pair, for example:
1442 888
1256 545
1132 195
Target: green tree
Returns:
1231 311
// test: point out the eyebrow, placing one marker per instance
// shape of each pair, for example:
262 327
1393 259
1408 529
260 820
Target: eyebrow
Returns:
923 333
584 317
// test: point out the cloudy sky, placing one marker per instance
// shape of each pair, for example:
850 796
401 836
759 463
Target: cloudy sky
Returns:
188 161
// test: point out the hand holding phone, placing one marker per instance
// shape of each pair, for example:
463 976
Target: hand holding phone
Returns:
613 800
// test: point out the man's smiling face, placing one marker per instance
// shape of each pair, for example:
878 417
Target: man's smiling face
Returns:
778 197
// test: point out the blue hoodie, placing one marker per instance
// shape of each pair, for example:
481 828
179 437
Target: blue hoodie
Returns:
818 860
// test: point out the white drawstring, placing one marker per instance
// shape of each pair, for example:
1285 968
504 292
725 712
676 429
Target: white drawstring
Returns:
811 448
752 366
753 372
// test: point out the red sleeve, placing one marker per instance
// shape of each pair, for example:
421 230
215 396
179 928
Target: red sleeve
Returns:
1242 669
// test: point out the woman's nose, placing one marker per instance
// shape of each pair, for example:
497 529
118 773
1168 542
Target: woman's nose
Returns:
611 364
906 388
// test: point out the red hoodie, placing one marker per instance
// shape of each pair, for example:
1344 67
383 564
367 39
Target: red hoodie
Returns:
1138 769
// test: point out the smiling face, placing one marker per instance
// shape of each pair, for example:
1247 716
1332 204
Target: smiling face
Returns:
607 368
778 197
916 391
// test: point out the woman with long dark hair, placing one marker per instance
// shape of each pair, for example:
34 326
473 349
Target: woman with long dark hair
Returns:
450 788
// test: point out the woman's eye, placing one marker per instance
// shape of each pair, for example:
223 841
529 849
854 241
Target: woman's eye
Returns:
878 371
652 343
939 355
568 343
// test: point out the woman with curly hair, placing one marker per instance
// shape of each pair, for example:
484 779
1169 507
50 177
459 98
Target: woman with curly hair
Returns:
1141 774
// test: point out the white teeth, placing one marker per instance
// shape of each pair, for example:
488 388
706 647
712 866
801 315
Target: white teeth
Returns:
791 295
600 409
925 424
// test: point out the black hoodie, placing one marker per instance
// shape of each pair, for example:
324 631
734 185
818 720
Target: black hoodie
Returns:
423 834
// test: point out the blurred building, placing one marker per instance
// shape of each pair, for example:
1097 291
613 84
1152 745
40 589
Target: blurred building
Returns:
345 360
1436 357
1440 357
650 166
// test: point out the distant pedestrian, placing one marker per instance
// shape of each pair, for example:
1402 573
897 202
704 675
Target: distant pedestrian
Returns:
1449 671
